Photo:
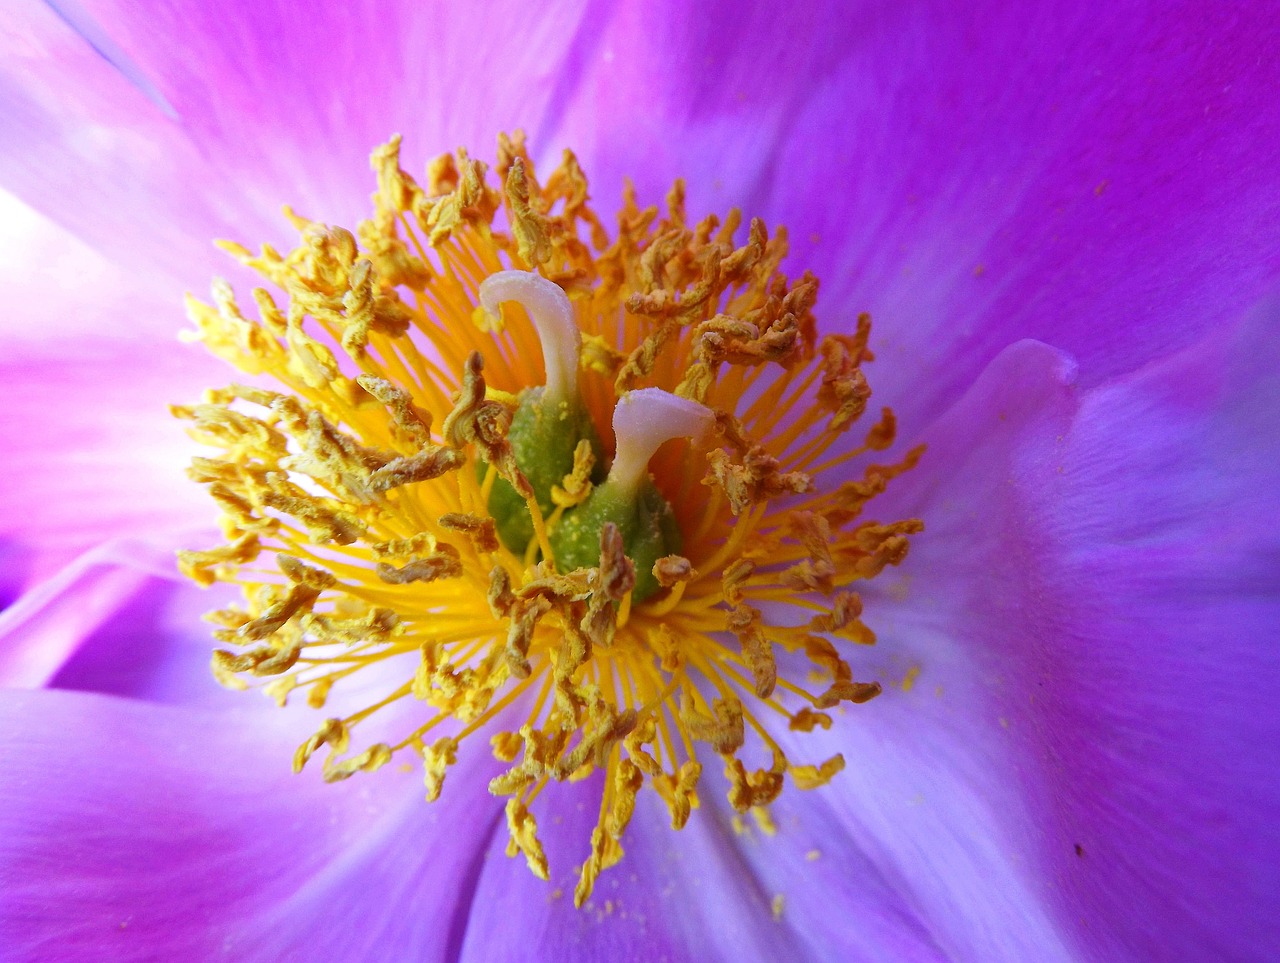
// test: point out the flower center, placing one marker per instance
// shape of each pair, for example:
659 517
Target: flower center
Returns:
576 493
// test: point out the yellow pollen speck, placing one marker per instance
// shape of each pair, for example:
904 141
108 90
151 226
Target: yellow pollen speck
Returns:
779 902
909 680
393 532
813 855
764 819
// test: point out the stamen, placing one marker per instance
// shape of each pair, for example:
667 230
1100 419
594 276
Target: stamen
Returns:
552 315
429 500
642 422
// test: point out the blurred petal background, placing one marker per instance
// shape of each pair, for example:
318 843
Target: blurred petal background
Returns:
1066 224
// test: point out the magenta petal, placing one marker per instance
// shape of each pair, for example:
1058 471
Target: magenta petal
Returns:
149 130
91 451
1104 180
132 831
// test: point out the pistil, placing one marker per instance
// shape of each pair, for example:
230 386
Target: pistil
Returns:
550 421
643 421
551 312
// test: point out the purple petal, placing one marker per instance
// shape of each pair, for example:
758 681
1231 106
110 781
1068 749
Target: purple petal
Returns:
971 174
132 831
1154 668
89 369
121 621
59 290
696 894
930 795
111 626
148 643
948 141
1091 612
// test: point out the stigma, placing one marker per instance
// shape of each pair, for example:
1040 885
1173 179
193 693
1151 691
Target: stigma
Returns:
564 495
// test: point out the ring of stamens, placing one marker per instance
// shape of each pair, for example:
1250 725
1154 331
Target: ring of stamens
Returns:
358 523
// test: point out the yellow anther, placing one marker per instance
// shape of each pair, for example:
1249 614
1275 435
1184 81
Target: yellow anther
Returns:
811 777
577 484
806 720
206 567
334 732
375 757
524 836
436 759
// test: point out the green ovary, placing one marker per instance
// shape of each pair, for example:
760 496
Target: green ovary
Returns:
544 438
644 519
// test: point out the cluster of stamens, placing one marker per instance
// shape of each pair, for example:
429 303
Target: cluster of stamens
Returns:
588 519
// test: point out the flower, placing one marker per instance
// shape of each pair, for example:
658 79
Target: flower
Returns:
1077 645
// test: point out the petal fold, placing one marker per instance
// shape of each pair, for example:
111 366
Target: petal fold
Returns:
1085 633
